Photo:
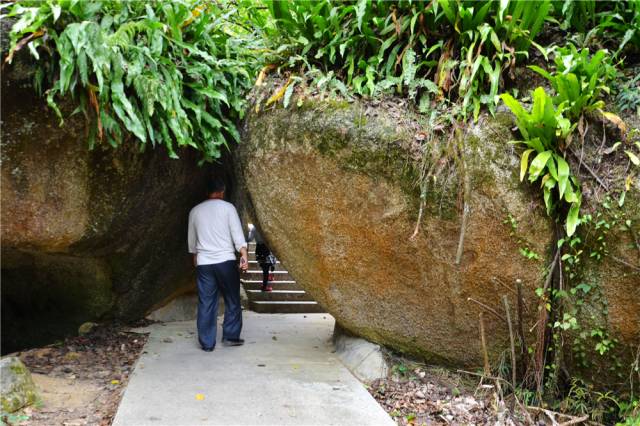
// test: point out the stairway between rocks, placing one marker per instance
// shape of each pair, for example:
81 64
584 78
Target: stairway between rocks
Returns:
287 297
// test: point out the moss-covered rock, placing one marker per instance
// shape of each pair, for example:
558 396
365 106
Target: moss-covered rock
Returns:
335 187
611 309
338 201
18 389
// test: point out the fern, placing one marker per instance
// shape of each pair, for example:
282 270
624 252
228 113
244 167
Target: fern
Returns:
139 67
369 43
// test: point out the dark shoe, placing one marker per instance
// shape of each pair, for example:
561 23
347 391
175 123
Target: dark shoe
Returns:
233 342
208 349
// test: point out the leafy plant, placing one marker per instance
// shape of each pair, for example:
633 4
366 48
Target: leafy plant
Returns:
632 420
170 73
544 129
422 49
401 369
628 97
630 412
578 14
620 26
580 79
529 254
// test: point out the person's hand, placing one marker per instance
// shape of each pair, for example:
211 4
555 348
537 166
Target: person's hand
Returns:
244 264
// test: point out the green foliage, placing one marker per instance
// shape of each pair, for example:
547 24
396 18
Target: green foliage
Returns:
424 50
524 248
630 411
620 25
628 97
544 130
615 24
529 254
601 407
580 79
578 14
400 369
13 418
174 73
592 347
633 420
170 73
582 398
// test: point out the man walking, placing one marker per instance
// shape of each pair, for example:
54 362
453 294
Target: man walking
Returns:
215 234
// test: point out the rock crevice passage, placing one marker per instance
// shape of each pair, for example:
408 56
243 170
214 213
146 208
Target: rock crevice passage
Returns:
287 297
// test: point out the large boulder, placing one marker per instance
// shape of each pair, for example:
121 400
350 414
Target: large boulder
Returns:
86 234
334 187
611 313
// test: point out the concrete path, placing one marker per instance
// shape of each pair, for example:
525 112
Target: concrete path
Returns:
285 374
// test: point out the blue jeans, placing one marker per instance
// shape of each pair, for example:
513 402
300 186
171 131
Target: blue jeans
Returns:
211 278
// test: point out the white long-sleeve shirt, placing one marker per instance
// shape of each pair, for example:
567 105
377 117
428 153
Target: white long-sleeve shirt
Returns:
215 232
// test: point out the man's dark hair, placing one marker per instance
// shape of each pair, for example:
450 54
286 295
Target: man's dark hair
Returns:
215 185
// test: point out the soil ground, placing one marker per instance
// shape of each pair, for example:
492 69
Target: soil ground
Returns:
81 380
415 394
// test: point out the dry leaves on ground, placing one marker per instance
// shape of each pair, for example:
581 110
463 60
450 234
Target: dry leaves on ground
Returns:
83 378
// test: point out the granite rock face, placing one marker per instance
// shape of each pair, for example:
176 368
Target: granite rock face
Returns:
86 234
333 186
613 304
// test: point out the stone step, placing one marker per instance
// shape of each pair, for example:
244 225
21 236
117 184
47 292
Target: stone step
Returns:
259 271
253 265
253 275
268 307
279 295
251 253
277 285
252 257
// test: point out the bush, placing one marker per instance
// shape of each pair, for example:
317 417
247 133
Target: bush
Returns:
170 73
422 49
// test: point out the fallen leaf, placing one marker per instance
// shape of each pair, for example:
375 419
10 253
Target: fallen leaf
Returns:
200 397
616 120
279 93
263 73
115 382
